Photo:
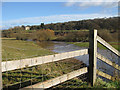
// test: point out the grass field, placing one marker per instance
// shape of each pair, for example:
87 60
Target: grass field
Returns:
16 49
116 45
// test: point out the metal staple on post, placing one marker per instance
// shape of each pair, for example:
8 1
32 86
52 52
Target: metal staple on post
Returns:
92 56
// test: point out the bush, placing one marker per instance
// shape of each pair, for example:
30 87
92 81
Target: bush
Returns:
22 36
74 37
77 36
106 35
43 35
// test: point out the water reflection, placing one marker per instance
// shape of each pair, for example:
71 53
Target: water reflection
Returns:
61 47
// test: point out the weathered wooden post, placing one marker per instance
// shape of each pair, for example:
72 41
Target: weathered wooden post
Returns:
92 56
0 63
0 68
0 72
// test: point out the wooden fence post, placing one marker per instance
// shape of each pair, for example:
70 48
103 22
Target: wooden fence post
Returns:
0 74
92 56
0 63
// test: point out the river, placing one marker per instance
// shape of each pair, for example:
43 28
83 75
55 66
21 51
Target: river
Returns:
60 47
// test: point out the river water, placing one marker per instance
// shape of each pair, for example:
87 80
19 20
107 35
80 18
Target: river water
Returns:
60 47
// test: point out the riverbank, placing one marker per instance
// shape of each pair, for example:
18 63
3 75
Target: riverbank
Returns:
116 45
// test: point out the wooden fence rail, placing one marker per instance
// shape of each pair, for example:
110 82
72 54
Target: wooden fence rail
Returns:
99 56
17 64
58 80
100 73
107 45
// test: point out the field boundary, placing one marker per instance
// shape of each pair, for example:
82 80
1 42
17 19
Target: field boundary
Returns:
58 80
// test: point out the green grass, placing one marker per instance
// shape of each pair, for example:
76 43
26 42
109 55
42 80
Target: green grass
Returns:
16 49
102 84
86 44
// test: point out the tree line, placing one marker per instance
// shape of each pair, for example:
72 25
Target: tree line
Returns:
107 28
103 23
99 23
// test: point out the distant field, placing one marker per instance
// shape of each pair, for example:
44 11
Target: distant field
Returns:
31 31
116 45
69 30
7 38
16 49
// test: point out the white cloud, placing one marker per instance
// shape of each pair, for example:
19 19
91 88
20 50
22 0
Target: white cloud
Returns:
51 19
70 3
89 3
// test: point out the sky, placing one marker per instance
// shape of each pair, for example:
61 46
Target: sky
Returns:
35 13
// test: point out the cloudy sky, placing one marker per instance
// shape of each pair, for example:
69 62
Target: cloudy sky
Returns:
34 13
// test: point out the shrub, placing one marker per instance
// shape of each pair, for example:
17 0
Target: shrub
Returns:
43 35
22 36
106 35
77 36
